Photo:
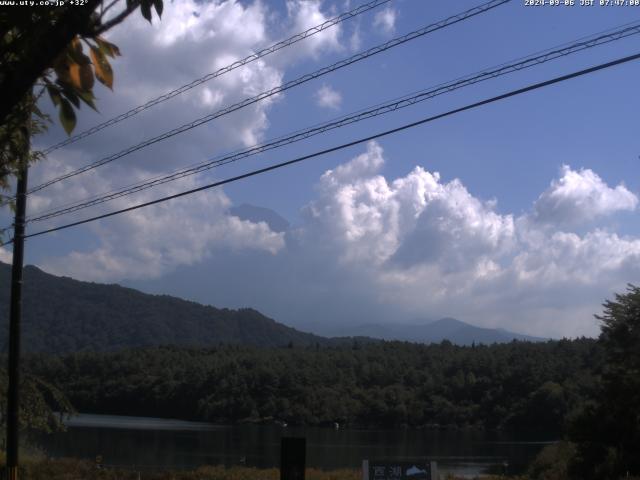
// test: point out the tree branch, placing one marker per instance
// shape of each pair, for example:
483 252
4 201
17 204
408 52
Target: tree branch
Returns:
117 19
107 8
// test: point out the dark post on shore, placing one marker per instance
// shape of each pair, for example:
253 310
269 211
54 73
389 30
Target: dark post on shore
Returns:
15 315
293 458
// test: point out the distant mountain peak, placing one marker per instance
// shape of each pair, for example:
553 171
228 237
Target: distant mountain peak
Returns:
452 329
449 320
256 214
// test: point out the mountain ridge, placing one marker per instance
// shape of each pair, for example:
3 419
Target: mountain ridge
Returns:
435 331
64 315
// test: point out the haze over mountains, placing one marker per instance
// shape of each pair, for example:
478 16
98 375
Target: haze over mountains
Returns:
451 329
62 315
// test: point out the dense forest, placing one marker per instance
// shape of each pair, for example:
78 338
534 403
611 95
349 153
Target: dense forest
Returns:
519 384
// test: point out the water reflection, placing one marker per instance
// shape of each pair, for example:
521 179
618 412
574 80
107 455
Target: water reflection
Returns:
160 443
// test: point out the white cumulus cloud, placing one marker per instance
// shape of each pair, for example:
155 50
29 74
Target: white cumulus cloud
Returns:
369 248
192 39
412 220
306 14
427 248
385 20
580 196
150 242
375 249
145 243
328 97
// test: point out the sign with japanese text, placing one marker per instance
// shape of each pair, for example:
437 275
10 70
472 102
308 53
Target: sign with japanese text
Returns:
398 470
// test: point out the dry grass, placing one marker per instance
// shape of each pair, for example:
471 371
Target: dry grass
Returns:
40 468
74 469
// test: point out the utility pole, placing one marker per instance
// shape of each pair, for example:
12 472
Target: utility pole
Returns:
15 314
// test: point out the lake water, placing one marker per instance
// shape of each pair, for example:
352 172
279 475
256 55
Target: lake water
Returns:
152 443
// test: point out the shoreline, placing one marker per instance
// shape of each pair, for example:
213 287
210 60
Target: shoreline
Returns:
110 420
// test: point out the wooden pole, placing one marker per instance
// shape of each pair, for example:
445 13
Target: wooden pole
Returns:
15 316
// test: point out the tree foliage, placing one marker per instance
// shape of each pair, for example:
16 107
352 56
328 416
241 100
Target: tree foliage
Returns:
14 146
76 73
41 404
46 44
518 385
607 431
43 49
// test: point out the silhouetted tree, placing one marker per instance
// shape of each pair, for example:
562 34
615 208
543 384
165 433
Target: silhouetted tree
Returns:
607 432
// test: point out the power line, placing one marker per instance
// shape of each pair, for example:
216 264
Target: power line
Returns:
541 56
512 93
210 76
286 86
380 109
300 80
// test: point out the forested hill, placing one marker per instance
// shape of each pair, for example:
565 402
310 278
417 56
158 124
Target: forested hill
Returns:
522 385
64 315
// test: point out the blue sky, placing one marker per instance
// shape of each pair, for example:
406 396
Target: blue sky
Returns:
529 224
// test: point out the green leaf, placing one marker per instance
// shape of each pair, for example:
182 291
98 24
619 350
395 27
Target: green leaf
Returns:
159 7
108 48
54 94
77 56
88 98
70 94
67 116
145 9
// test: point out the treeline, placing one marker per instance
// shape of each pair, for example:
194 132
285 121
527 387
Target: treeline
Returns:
514 385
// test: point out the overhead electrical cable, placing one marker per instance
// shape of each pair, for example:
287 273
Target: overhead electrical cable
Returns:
379 109
365 7
281 88
359 141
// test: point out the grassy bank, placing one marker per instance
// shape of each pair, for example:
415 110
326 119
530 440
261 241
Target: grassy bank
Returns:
74 469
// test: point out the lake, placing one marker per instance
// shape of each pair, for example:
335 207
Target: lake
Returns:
153 443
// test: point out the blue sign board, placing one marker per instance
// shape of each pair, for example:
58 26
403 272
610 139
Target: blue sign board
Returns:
398 470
